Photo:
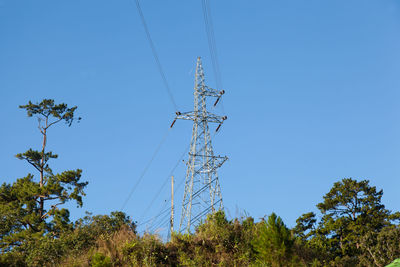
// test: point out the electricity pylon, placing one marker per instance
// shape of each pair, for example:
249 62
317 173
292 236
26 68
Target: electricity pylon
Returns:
202 188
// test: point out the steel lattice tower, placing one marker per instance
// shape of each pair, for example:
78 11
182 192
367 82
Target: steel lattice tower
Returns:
202 189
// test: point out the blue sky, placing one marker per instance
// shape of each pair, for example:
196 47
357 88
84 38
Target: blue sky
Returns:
312 96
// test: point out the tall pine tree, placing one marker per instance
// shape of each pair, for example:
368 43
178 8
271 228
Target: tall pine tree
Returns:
29 207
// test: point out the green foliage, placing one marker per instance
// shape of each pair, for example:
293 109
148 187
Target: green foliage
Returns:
146 251
102 233
99 260
19 220
350 210
64 186
47 108
381 247
273 242
353 227
305 225
395 263
102 226
217 241
111 240
25 217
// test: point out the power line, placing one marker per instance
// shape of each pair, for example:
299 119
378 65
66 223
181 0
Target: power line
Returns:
161 71
155 55
209 27
146 168
211 42
163 222
214 58
163 211
164 183
155 217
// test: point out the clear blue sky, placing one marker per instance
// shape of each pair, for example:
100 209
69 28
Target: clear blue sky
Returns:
312 96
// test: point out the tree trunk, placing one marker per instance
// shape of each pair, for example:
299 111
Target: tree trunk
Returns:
42 163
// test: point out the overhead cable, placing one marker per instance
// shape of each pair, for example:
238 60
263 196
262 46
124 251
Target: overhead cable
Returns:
164 183
209 27
163 210
145 169
211 42
155 55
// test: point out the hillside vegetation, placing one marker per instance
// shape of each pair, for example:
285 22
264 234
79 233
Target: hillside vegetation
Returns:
351 227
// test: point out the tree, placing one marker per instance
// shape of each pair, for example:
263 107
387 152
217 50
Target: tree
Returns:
273 242
29 208
305 225
380 248
350 210
104 234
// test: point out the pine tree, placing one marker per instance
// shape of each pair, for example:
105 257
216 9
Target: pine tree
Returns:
29 207
350 210
273 242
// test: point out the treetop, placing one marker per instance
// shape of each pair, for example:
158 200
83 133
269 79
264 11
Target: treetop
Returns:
47 108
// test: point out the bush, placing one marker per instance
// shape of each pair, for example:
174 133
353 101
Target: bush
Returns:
99 260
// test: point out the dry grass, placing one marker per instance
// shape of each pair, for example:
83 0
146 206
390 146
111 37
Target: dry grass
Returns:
111 246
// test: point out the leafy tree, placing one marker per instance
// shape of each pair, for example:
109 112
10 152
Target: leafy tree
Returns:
103 225
305 225
350 210
29 208
104 234
380 248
